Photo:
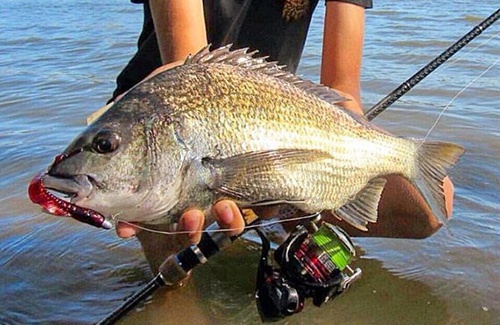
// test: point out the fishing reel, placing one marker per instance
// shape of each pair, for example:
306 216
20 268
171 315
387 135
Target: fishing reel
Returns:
312 264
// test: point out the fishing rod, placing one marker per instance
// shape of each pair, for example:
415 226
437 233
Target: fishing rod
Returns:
313 263
176 267
429 68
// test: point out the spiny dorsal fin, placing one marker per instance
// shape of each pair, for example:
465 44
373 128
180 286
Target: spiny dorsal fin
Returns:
244 59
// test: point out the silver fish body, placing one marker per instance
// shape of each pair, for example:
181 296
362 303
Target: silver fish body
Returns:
226 124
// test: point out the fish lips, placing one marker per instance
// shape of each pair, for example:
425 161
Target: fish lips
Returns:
78 186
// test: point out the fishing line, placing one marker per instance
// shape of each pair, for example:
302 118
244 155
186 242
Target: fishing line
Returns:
407 85
263 224
468 85
455 97
372 113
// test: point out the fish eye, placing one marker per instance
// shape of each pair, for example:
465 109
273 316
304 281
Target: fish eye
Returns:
105 141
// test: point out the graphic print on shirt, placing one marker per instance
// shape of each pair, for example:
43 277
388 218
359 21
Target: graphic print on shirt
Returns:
295 9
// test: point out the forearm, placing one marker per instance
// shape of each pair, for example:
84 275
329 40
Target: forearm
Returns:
180 28
342 50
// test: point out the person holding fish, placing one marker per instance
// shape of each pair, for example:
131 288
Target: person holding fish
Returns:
174 29
229 129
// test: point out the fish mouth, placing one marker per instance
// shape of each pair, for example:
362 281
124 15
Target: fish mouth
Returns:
76 188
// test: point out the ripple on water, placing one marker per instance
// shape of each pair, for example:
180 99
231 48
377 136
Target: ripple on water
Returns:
59 60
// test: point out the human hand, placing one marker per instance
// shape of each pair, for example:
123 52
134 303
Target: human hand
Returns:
226 213
402 212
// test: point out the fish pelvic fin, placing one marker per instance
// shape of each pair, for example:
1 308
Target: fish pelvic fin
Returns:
364 207
433 161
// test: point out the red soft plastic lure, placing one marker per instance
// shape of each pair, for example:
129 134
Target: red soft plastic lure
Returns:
50 203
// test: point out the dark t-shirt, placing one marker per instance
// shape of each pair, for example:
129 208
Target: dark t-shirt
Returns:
276 28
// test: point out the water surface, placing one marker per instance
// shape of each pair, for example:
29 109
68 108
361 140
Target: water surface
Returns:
58 61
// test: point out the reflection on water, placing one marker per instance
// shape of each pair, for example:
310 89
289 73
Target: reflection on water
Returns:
58 63
221 293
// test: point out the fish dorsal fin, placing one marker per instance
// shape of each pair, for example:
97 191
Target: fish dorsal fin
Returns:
364 207
247 60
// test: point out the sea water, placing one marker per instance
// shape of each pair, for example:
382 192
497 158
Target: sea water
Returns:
58 63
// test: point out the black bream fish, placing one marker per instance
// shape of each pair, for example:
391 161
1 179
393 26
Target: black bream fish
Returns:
225 124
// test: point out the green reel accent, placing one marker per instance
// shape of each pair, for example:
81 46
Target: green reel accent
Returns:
336 245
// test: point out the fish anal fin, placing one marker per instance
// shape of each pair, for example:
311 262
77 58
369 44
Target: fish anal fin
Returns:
364 207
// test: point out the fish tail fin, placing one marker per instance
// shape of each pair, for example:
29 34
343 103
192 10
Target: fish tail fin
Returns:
433 160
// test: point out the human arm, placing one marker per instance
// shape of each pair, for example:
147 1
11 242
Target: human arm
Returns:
343 50
180 28
180 31
402 210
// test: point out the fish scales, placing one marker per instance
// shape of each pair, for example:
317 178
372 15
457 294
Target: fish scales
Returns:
257 116
226 124
236 111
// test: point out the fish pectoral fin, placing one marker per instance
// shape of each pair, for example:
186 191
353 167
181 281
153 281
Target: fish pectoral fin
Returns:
364 207
252 176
